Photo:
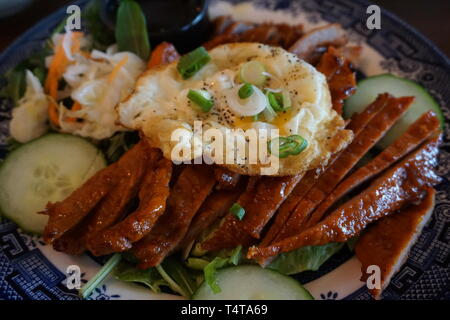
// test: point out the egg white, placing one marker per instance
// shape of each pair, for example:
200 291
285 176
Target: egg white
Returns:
159 106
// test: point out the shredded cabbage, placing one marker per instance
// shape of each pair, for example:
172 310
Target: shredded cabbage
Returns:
29 118
91 84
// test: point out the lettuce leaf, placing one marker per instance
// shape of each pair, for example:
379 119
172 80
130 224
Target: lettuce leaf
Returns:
177 276
304 259
219 262
131 29
149 277
170 273
102 35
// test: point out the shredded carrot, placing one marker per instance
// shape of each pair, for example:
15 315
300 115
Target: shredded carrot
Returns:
57 67
76 106
164 53
51 83
116 69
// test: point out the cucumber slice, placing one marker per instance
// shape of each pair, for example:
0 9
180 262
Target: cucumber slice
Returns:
46 169
368 89
249 282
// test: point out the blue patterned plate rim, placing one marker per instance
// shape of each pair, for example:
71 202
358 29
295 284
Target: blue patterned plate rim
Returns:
13 54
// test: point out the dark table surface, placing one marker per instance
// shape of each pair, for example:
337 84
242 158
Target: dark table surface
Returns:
431 17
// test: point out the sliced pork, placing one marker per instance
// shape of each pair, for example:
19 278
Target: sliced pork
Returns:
424 127
402 184
340 77
187 195
153 194
387 242
346 160
66 214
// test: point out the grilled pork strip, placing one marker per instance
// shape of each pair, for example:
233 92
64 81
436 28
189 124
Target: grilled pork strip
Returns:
402 184
289 205
423 128
346 160
282 35
357 123
111 208
153 194
73 241
66 214
259 203
226 179
270 194
329 35
187 195
231 235
387 242
221 23
214 208
340 77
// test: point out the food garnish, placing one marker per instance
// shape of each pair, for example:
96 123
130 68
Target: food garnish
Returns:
287 146
246 91
192 62
253 72
131 29
202 99
237 210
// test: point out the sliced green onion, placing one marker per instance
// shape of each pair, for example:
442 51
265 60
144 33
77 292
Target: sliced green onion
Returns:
301 143
286 98
279 101
275 100
96 280
287 146
202 98
237 210
269 113
246 91
192 62
253 72
284 147
254 104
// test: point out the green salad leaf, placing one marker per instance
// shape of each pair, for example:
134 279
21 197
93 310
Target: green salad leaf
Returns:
102 36
150 277
15 82
115 146
131 29
15 87
170 273
304 259
177 276
219 262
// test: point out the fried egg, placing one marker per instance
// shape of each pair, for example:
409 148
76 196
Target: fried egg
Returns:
160 106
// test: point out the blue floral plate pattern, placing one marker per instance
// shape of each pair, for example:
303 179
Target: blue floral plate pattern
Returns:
31 270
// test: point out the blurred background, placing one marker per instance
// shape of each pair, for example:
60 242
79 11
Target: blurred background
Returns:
431 17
